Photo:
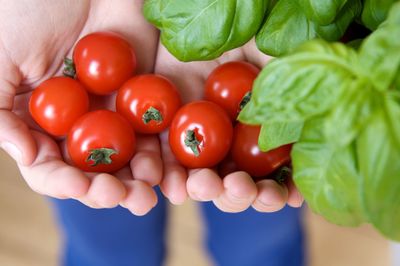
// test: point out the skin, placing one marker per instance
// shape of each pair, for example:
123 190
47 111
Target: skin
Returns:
36 53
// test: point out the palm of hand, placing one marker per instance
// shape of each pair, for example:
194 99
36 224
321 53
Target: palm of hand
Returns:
35 54
234 192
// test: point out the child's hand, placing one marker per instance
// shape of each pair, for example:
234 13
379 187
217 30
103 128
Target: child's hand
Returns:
34 39
236 191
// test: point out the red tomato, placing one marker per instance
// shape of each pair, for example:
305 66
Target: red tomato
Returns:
200 134
149 102
248 157
57 103
103 62
101 141
228 84
227 166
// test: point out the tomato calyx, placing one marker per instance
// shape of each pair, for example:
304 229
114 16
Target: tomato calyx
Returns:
283 173
69 68
192 142
152 114
246 98
100 156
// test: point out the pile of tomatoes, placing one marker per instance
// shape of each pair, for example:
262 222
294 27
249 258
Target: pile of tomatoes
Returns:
201 133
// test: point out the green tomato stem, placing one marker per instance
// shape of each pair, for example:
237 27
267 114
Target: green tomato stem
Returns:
152 114
192 142
283 173
100 156
246 98
69 68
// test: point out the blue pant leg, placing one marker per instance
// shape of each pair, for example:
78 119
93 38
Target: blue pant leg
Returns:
251 238
111 237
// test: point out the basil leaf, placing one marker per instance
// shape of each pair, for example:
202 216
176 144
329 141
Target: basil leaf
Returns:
323 12
351 112
275 134
378 153
203 30
271 5
392 102
327 176
355 44
396 82
380 52
297 87
152 10
288 26
336 29
375 12
285 28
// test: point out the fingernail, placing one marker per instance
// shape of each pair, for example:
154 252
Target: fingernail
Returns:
12 150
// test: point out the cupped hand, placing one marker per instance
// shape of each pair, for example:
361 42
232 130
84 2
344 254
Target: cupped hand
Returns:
236 191
35 36
34 39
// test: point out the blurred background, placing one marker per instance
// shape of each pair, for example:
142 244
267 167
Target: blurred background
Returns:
29 236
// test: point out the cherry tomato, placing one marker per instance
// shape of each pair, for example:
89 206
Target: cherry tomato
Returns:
200 134
101 141
57 103
248 157
103 62
229 85
149 102
227 166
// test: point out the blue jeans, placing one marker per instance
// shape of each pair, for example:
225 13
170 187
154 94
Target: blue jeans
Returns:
115 237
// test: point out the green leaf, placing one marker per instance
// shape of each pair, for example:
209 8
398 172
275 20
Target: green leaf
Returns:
275 134
302 85
327 176
351 112
375 12
378 153
396 82
271 5
380 52
336 29
153 10
203 30
355 44
323 12
287 27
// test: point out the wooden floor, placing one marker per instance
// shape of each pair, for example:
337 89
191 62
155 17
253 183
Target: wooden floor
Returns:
28 235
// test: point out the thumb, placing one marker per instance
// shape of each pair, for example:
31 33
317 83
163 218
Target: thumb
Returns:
16 139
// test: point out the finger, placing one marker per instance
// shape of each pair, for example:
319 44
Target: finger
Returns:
295 199
105 191
147 164
124 173
271 196
254 55
240 191
21 101
204 185
140 197
173 184
16 138
49 175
